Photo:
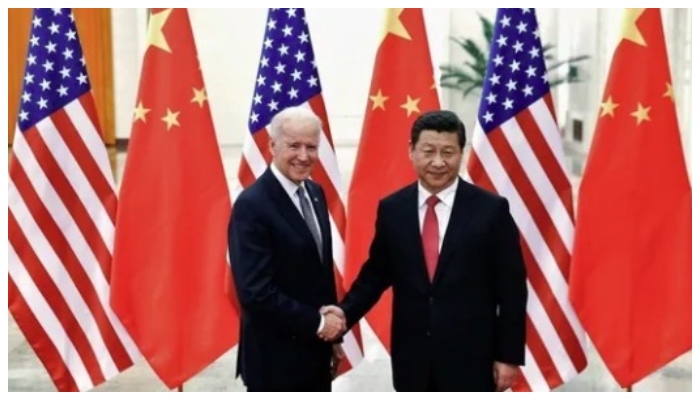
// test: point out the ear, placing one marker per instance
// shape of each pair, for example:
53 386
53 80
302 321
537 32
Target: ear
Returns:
271 145
411 148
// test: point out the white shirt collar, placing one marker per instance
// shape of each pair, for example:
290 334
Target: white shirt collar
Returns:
289 186
446 196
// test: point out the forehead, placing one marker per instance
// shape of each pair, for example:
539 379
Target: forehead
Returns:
435 138
299 130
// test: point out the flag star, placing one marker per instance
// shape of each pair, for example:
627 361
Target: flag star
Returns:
56 11
304 37
71 35
296 75
502 41
508 104
261 80
31 60
518 47
280 68
394 25
45 85
608 107
522 27
510 85
642 113
82 60
257 99
544 78
276 87
254 117
313 81
29 78
300 56
82 78
378 100
669 92
536 33
525 10
287 30
23 115
65 73
527 90
293 93
514 66
51 47
170 118
498 60
67 53
488 117
491 98
265 62
505 21
495 79
26 97
155 36
72 17
140 112
200 96
534 52
48 66
630 30
531 71
292 12
62 91
268 43
36 22
313 63
283 49
53 28
34 40
272 105
272 24
411 106
43 103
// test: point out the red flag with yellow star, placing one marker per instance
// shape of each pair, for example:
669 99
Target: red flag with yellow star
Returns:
170 240
631 269
402 87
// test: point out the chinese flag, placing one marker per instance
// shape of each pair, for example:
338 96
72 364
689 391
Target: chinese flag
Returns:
631 268
402 87
170 245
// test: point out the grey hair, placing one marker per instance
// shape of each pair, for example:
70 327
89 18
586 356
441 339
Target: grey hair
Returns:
298 113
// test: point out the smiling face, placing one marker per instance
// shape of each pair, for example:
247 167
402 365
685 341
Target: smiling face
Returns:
436 157
295 148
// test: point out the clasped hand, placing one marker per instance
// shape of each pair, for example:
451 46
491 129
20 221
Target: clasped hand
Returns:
335 324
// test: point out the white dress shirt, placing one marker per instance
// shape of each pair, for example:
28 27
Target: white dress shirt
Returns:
291 189
443 209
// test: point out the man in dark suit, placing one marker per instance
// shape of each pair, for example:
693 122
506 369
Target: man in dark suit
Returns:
451 253
282 262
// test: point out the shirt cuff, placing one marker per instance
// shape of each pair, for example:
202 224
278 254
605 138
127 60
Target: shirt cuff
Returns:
323 322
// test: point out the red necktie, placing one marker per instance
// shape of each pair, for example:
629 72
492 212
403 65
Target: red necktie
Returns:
431 236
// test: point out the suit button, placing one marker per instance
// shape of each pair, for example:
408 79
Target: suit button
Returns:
430 300
427 333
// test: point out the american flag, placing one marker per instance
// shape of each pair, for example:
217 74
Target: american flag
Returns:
287 76
517 152
62 208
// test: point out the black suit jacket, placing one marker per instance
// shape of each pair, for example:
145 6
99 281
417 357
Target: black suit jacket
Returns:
452 329
281 283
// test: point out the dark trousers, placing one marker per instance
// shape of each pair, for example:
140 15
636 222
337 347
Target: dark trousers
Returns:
320 386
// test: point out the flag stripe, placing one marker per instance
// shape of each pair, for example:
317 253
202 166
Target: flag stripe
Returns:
540 354
45 172
47 335
60 303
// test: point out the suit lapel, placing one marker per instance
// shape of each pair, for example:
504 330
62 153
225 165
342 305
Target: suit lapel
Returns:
463 209
413 239
286 207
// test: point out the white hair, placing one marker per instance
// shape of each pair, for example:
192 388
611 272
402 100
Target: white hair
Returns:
298 113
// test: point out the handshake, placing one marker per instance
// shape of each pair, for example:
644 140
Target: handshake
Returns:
335 324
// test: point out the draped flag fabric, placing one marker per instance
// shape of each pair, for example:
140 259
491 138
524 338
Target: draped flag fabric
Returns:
288 76
61 215
631 278
517 152
402 88
171 231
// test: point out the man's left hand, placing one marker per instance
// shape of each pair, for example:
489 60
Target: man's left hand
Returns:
504 375
338 356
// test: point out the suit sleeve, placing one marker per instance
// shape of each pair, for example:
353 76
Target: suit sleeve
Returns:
250 251
511 288
374 277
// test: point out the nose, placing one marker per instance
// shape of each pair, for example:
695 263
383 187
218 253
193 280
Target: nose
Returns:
303 154
438 161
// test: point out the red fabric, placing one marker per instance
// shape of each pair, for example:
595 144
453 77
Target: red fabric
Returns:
631 268
431 236
171 230
403 72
